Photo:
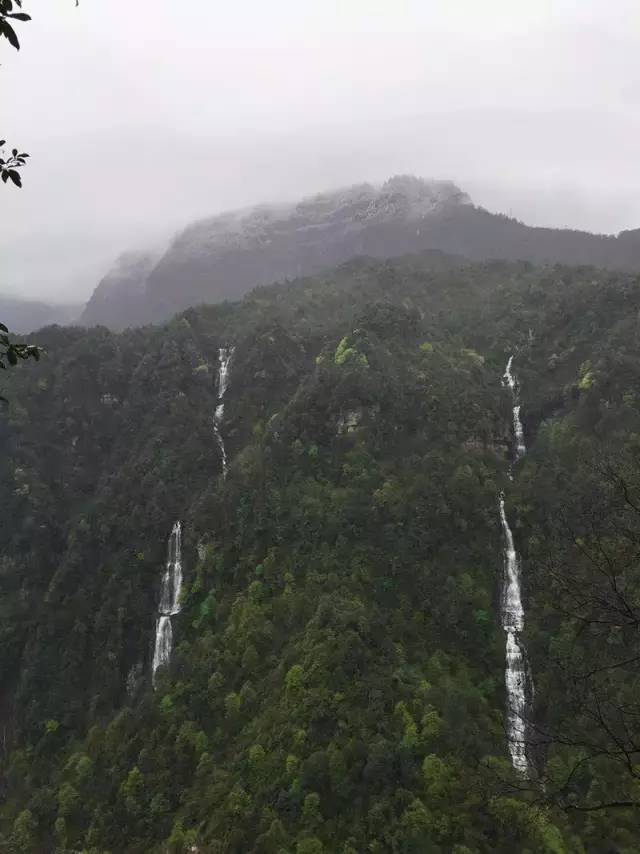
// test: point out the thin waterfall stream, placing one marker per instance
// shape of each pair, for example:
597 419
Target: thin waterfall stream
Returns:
171 586
169 604
510 381
225 355
519 686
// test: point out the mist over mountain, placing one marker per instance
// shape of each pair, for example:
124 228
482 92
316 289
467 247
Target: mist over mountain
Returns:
24 316
320 510
120 299
227 255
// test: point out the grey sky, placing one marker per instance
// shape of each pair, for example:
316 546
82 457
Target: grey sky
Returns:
142 116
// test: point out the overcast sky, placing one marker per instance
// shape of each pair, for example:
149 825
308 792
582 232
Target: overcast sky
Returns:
143 116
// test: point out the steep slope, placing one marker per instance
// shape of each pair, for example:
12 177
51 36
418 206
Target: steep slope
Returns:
227 255
335 678
120 299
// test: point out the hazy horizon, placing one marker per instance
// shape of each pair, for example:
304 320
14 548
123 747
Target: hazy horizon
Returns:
140 122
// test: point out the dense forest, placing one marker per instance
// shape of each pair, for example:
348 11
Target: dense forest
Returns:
336 682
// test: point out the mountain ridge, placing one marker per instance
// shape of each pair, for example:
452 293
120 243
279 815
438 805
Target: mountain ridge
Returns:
227 255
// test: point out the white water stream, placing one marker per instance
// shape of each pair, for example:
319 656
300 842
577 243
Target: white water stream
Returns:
517 680
169 604
510 380
225 355
171 586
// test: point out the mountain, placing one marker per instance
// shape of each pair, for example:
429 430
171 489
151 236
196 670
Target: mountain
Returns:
227 255
24 316
263 568
120 299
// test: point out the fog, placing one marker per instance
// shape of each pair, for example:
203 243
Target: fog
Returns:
142 116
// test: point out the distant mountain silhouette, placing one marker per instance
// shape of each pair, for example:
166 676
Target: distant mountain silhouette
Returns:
22 316
227 255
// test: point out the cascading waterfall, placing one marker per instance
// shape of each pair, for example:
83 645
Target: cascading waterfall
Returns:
517 680
515 670
169 604
510 380
225 355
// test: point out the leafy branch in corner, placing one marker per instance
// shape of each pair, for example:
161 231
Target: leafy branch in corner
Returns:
11 353
9 166
7 15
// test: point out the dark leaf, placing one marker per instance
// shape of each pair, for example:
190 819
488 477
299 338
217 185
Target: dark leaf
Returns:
10 34
20 16
15 177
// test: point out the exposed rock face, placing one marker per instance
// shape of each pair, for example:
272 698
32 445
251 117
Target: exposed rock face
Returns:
349 421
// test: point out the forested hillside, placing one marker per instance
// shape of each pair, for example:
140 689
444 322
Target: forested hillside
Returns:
336 677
